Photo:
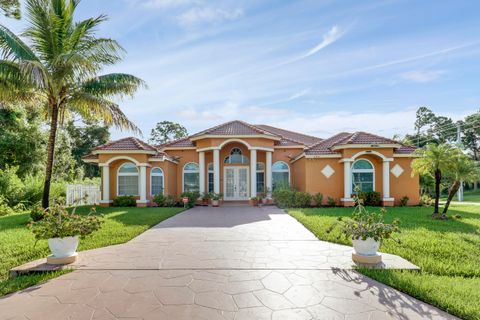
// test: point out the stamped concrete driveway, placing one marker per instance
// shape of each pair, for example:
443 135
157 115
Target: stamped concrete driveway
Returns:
219 263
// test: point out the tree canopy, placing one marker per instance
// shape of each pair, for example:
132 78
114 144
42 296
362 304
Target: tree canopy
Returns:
167 131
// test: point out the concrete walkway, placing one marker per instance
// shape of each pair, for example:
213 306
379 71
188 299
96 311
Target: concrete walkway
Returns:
219 263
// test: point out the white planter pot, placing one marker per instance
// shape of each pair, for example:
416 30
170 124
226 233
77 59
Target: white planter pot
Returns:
63 247
368 247
215 203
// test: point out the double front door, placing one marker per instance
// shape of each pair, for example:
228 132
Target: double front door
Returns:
236 183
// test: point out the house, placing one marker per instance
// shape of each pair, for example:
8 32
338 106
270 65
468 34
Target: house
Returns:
241 160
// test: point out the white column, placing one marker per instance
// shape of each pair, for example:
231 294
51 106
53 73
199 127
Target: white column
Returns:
201 165
142 184
216 171
347 180
386 180
105 184
268 172
253 173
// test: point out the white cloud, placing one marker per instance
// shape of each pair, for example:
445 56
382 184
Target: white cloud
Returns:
199 15
422 75
166 4
328 38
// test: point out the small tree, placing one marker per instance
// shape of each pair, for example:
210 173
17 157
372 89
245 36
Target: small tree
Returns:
434 160
167 131
462 169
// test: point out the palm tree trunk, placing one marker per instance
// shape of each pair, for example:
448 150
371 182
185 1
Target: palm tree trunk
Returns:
451 193
50 156
438 180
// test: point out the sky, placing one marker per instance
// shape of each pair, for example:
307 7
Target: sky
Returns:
317 67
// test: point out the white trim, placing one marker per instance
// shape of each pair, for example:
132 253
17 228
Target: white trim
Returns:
106 201
123 151
204 136
366 152
388 199
373 145
183 174
121 158
225 168
207 149
157 175
262 149
352 171
90 160
234 140
128 174
405 155
323 156
346 199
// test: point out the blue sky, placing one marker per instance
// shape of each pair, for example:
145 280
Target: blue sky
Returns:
317 67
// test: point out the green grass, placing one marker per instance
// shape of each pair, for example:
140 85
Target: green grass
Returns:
448 252
17 244
468 196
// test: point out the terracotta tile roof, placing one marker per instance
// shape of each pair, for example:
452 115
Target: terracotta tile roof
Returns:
90 157
361 137
290 136
179 143
129 143
323 147
404 149
233 128
159 155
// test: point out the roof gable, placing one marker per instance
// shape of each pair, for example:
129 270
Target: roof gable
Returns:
125 144
234 128
290 136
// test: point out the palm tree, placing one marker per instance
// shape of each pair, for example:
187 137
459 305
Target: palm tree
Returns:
57 69
463 169
434 160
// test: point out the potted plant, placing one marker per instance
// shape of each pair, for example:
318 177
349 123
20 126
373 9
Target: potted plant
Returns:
216 197
206 198
367 231
63 230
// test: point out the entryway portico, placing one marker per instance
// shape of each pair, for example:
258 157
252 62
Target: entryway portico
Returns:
236 162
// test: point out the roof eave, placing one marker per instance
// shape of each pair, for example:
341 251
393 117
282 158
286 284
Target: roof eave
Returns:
366 145
244 136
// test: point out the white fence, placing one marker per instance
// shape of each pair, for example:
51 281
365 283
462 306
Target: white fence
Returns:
81 194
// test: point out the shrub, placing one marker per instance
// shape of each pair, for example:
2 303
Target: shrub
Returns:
11 186
159 199
426 200
4 207
33 190
288 198
124 201
170 201
302 199
331 202
404 201
37 213
371 198
59 223
318 199
192 198
217 196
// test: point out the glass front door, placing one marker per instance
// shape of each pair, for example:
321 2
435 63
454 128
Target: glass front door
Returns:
236 183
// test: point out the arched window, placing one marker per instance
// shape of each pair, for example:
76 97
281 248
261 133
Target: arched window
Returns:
210 177
236 157
156 181
363 175
127 180
191 177
261 177
280 175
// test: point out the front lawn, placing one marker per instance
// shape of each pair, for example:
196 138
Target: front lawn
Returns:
448 252
17 244
468 196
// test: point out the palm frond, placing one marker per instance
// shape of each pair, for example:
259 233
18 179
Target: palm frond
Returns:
12 47
92 107
113 85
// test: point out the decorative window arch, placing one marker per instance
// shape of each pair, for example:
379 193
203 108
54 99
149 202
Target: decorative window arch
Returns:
363 175
236 157
261 177
210 177
127 180
191 177
280 175
156 181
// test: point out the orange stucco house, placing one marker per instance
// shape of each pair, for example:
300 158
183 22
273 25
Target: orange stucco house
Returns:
241 160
